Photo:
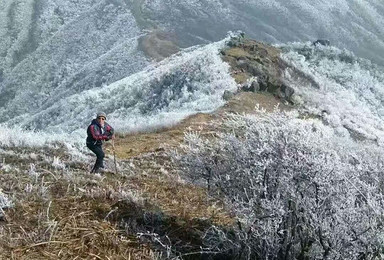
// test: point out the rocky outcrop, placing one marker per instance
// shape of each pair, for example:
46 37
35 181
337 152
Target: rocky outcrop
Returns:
257 67
322 42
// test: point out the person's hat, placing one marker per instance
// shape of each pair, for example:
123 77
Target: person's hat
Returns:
101 114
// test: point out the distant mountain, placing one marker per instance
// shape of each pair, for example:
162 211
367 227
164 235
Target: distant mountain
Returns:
52 52
63 49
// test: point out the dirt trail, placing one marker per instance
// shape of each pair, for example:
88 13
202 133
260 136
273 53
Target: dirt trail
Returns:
141 143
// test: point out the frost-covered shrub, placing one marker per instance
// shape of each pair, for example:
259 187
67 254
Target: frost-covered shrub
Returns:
236 39
347 92
19 137
298 190
58 164
5 203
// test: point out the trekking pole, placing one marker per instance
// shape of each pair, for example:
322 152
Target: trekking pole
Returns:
114 155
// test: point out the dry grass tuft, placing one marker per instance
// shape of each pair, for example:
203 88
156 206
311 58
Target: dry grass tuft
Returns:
138 144
184 201
75 231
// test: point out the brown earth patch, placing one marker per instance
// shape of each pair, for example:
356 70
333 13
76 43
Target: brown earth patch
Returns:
131 145
158 45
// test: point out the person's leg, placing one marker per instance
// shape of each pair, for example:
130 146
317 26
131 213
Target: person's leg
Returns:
98 151
100 158
92 148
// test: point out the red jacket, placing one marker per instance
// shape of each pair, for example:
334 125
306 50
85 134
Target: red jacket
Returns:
96 133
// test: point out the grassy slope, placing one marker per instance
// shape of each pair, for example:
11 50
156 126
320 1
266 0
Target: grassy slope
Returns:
68 213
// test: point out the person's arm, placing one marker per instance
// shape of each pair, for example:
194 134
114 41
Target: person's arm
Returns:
110 132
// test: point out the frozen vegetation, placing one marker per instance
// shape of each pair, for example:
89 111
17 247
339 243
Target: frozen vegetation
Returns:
344 90
4 204
298 189
19 137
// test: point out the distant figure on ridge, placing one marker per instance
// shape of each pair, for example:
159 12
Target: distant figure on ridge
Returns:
98 131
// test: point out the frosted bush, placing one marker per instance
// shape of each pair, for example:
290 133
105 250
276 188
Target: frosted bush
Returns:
133 196
57 163
16 137
4 203
32 171
28 188
346 91
7 168
299 191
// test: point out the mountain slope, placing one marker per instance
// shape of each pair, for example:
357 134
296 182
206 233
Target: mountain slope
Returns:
63 205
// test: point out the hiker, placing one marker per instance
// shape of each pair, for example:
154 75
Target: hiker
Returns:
98 131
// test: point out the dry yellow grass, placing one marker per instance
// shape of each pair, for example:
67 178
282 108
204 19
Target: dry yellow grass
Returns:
238 53
184 201
79 217
137 144
68 224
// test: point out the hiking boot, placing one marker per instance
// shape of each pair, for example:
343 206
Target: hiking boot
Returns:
99 170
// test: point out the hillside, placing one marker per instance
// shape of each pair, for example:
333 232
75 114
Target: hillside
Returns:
59 210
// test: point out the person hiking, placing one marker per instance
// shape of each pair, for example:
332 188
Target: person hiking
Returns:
99 131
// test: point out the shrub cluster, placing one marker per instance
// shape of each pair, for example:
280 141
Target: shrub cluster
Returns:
298 190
